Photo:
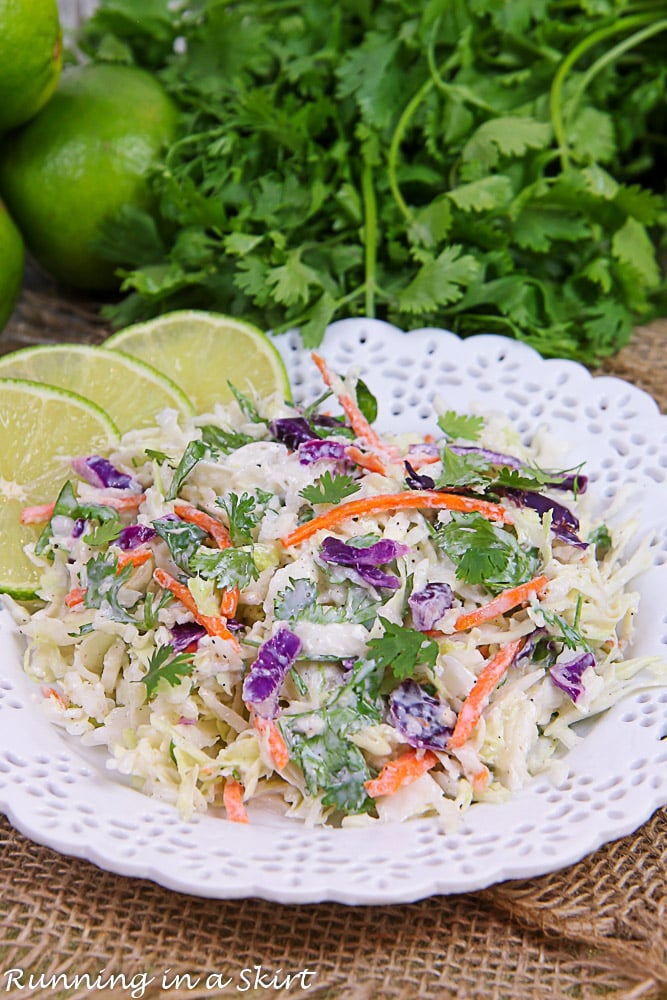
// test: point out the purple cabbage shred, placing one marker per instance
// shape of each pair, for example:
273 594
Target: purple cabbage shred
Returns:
424 721
318 449
101 473
417 481
564 524
185 634
292 431
429 605
79 527
366 561
134 535
261 687
567 675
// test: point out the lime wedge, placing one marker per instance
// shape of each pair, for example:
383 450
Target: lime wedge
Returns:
42 428
130 391
202 351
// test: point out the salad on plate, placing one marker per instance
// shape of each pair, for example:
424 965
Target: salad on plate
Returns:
279 607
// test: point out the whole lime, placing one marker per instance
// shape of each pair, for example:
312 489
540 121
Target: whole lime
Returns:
30 58
79 161
12 260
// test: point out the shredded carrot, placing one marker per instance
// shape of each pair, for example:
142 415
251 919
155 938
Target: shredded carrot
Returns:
402 771
365 460
229 602
75 596
414 499
480 780
50 692
215 528
43 512
358 421
137 558
505 601
481 691
275 741
232 798
214 624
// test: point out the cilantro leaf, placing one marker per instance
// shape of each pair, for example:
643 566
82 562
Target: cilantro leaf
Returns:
457 425
400 649
469 470
570 636
104 533
484 553
183 539
194 452
248 408
227 567
224 441
298 602
244 513
103 585
330 488
602 541
67 504
162 668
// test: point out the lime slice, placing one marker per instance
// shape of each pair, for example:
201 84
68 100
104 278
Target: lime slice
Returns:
202 351
130 391
42 429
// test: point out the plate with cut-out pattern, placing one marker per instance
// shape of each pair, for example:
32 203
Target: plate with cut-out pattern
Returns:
612 781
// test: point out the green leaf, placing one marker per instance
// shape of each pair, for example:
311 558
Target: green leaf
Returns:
103 585
244 513
366 401
104 533
439 281
591 137
291 282
458 425
330 489
164 666
194 452
68 505
227 567
298 602
321 315
485 195
459 471
364 73
400 649
485 554
562 631
183 539
248 408
511 135
225 441
601 539
632 245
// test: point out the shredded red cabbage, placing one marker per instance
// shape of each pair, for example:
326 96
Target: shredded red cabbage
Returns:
429 605
134 535
184 634
417 481
366 561
567 676
292 431
261 687
493 457
424 721
79 527
101 473
318 449
564 523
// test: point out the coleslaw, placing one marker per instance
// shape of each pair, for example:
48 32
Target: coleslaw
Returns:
279 607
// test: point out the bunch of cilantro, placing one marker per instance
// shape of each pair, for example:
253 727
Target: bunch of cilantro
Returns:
490 165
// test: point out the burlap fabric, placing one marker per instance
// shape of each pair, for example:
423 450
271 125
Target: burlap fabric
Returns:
596 929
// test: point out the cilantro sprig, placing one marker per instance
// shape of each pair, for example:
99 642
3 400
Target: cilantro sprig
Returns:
401 649
482 167
484 553
330 488
165 666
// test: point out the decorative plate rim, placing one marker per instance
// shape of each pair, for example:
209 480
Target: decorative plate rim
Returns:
59 795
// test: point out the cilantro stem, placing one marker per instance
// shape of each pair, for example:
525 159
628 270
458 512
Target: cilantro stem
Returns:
395 145
370 236
556 94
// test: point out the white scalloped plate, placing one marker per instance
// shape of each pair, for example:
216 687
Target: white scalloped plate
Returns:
62 797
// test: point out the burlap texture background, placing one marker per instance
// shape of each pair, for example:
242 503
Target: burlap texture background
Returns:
596 929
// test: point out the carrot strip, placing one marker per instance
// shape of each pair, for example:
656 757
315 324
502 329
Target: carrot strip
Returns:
214 625
394 501
41 513
481 691
75 596
358 421
50 692
275 741
505 601
137 558
203 520
368 461
232 798
402 771
229 602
